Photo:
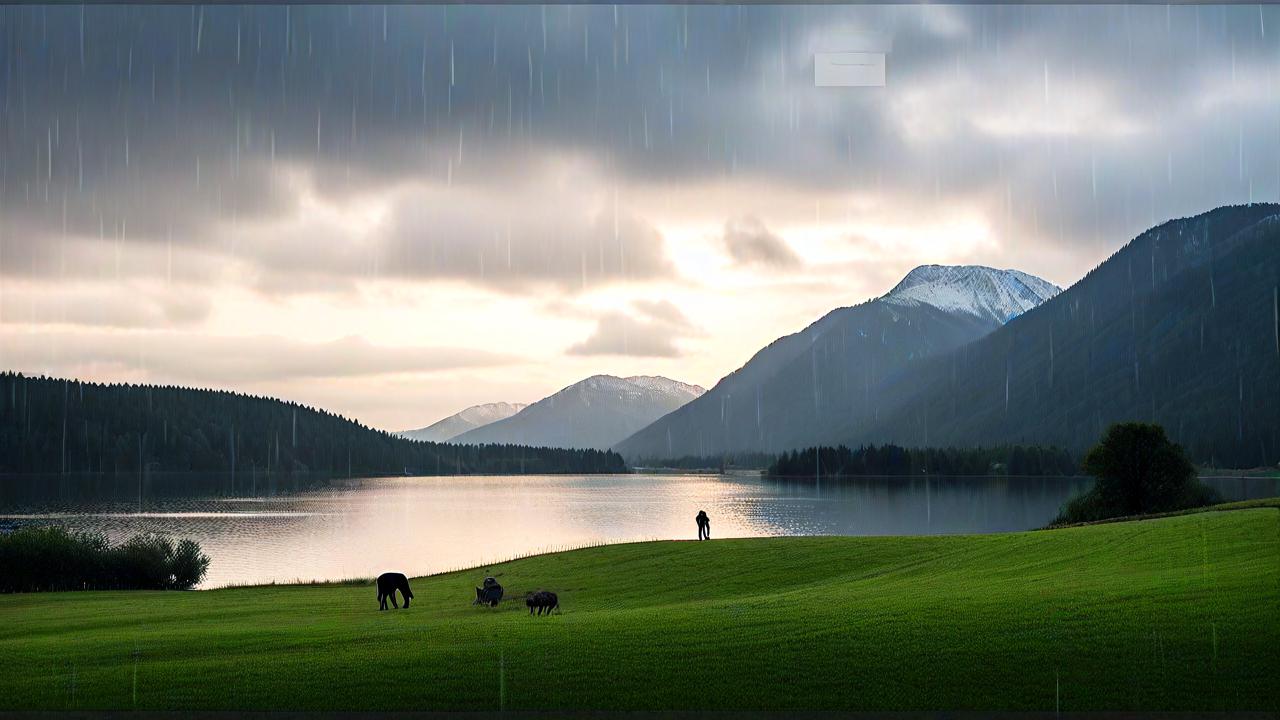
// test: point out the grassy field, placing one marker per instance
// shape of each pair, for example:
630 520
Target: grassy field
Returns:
1175 613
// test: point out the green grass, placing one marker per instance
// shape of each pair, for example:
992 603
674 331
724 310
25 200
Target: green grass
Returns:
1220 507
1178 613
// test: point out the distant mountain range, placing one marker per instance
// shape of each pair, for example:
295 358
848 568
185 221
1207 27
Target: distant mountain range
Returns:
797 388
594 413
469 419
1181 327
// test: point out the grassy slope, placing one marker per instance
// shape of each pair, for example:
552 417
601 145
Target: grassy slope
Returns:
1174 613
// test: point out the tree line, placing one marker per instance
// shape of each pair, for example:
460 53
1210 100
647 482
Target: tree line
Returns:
843 461
53 425
723 462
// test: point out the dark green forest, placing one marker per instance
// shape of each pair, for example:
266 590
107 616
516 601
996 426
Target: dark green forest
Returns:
51 425
895 460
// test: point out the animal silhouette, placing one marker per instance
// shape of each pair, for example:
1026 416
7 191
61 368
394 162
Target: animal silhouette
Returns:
388 584
490 594
542 600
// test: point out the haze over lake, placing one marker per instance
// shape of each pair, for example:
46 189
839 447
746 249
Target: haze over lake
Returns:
263 529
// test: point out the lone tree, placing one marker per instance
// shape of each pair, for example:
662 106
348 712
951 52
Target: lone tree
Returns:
1138 471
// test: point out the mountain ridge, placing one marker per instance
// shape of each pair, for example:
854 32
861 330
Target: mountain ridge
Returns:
803 380
469 418
594 412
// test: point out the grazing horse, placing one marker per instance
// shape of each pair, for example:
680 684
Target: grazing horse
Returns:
542 600
388 584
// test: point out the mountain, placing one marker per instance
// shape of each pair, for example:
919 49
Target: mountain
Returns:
469 419
792 391
1180 327
594 413
57 426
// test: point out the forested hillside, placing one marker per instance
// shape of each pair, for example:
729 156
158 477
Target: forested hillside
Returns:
790 392
50 425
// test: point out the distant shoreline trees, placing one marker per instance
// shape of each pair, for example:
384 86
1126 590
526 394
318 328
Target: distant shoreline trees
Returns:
727 461
52 425
870 460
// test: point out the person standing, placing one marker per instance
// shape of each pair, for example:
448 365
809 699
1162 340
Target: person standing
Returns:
704 525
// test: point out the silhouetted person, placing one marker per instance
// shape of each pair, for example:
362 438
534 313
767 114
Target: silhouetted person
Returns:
704 525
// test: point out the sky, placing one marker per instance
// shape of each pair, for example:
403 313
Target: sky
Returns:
397 212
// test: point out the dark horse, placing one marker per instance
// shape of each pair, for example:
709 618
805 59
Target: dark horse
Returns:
388 584
542 600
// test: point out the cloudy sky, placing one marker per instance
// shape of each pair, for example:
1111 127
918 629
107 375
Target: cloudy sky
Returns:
397 212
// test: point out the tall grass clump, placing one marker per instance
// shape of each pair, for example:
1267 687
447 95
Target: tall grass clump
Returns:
46 559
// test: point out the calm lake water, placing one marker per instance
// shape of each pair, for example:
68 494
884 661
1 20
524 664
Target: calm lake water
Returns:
259 530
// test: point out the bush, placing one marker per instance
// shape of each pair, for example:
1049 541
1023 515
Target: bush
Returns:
36 559
188 565
142 562
1138 471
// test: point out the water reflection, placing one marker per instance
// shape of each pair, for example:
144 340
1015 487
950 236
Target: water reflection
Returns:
286 529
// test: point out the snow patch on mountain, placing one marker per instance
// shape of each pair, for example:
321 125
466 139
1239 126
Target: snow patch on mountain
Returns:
635 389
666 386
490 412
999 295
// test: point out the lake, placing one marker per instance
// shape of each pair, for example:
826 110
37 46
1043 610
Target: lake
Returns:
265 529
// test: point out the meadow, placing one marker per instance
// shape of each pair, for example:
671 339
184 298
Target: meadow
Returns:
1175 613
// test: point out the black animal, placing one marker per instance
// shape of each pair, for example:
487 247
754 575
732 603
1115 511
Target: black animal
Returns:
388 584
490 594
542 600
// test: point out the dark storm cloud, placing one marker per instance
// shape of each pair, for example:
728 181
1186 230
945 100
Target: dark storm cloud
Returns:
143 124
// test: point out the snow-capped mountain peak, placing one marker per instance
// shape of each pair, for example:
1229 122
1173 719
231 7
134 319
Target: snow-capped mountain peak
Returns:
490 412
673 388
999 295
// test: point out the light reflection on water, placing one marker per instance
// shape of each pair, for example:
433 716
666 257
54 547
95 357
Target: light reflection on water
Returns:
358 528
